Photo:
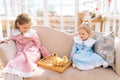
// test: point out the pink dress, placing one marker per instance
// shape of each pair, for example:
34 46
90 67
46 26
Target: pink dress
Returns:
29 50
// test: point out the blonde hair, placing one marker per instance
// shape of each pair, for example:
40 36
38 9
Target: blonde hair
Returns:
86 28
22 19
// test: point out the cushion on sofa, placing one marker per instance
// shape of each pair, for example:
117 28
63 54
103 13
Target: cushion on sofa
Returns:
117 55
95 34
104 46
56 41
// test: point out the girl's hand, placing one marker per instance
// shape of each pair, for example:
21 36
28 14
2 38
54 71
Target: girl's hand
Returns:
3 41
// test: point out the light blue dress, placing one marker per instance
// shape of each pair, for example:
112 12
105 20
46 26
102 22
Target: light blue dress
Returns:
83 56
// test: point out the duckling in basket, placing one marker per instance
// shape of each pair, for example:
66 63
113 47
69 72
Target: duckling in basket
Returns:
63 61
54 60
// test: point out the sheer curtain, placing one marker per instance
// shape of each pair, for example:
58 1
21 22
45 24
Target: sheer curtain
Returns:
114 7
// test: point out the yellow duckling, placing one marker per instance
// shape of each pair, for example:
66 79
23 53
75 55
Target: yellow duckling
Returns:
54 60
64 60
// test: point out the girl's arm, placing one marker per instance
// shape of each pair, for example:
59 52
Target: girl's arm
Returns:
36 40
4 41
44 51
74 49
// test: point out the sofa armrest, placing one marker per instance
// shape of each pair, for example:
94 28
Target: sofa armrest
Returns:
117 56
7 51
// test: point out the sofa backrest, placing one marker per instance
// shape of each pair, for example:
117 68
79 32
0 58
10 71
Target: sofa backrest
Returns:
56 41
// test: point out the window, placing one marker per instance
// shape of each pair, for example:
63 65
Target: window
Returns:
5 18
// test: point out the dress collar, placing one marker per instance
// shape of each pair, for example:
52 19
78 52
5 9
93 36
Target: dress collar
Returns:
30 33
89 42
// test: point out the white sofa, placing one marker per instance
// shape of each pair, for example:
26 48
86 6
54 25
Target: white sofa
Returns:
61 43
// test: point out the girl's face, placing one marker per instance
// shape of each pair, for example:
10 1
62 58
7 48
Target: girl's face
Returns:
24 28
84 35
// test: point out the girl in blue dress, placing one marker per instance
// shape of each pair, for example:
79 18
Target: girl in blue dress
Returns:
82 54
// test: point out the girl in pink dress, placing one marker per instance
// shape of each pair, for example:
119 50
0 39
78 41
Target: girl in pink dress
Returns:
28 48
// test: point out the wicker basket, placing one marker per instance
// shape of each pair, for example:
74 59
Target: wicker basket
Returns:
47 63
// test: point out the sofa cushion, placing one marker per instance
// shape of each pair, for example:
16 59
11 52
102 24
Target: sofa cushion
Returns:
95 34
56 41
7 51
117 55
73 74
104 46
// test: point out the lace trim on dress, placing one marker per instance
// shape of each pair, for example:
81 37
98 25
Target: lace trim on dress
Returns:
30 33
89 42
16 72
104 64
